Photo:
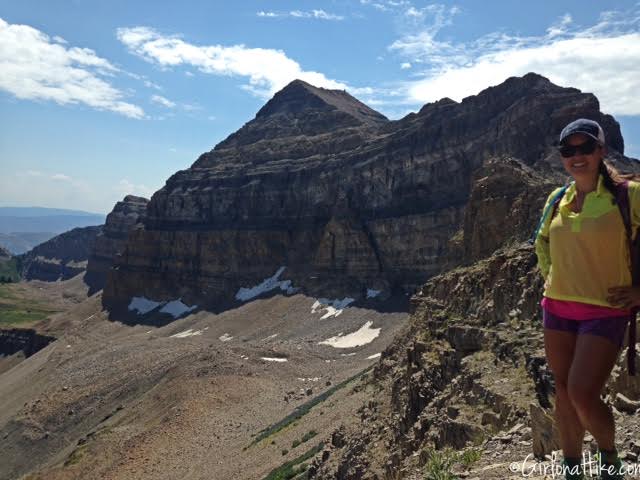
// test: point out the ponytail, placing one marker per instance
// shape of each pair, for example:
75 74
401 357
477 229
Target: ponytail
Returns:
610 177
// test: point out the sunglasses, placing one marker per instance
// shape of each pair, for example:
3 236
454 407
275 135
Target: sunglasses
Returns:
585 148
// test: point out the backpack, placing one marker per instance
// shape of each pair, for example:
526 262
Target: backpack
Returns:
622 200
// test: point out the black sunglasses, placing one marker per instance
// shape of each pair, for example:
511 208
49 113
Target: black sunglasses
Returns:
585 148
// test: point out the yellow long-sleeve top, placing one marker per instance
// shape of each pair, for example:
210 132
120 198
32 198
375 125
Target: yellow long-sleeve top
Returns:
582 255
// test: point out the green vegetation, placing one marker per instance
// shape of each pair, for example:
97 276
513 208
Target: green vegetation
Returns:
303 409
438 463
294 467
16 309
470 456
306 437
75 456
9 271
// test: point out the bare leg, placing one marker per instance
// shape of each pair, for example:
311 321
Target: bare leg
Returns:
559 347
592 363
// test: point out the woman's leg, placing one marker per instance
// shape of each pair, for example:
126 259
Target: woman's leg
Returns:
559 347
592 363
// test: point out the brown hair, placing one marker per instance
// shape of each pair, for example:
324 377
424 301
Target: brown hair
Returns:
611 177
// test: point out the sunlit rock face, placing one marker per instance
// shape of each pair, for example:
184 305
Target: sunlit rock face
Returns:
347 200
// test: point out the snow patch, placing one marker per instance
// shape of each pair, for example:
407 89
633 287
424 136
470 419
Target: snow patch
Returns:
267 284
143 305
187 333
348 354
375 355
362 336
225 337
333 307
309 379
176 308
273 359
371 293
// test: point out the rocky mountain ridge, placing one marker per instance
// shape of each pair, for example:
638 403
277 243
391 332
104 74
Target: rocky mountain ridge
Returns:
470 374
110 242
60 258
341 204
343 198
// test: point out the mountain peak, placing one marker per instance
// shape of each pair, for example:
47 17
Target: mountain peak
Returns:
299 96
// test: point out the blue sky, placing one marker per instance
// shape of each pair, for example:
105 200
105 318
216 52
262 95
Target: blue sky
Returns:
101 99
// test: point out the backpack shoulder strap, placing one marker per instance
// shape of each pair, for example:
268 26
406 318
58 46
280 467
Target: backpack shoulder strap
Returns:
551 208
622 199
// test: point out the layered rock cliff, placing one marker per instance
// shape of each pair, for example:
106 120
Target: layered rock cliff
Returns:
343 198
62 257
110 242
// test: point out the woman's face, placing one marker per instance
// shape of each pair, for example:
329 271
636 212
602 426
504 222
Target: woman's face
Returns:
581 165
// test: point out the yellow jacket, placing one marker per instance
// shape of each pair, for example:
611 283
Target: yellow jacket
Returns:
582 255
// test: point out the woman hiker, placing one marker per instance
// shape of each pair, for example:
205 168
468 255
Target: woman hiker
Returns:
583 254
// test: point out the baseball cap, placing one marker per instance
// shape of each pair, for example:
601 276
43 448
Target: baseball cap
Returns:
583 125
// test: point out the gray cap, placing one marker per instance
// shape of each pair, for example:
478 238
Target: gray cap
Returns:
582 125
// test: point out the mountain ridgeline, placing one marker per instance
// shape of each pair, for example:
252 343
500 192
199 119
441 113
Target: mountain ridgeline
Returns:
346 199
348 213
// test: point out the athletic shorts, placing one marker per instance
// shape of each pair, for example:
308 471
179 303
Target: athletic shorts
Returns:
612 328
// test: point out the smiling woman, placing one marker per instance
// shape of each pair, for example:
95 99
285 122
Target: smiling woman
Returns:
583 254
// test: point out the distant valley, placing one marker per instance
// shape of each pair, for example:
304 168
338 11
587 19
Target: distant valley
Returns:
22 228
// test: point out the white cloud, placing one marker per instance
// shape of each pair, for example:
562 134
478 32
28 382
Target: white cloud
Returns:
603 59
35 67
47 189
560 27
317 14
267 70
405 65
160 100
61 176
188 107
387 5
59 190
126 187
150 84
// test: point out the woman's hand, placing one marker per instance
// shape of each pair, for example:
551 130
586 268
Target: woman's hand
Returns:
624 297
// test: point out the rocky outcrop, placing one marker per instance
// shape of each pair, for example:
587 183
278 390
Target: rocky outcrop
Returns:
110 242
469 372
345 199
450 380
4 254
62 257
24 340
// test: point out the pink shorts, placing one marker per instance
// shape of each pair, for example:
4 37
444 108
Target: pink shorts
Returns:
612 328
